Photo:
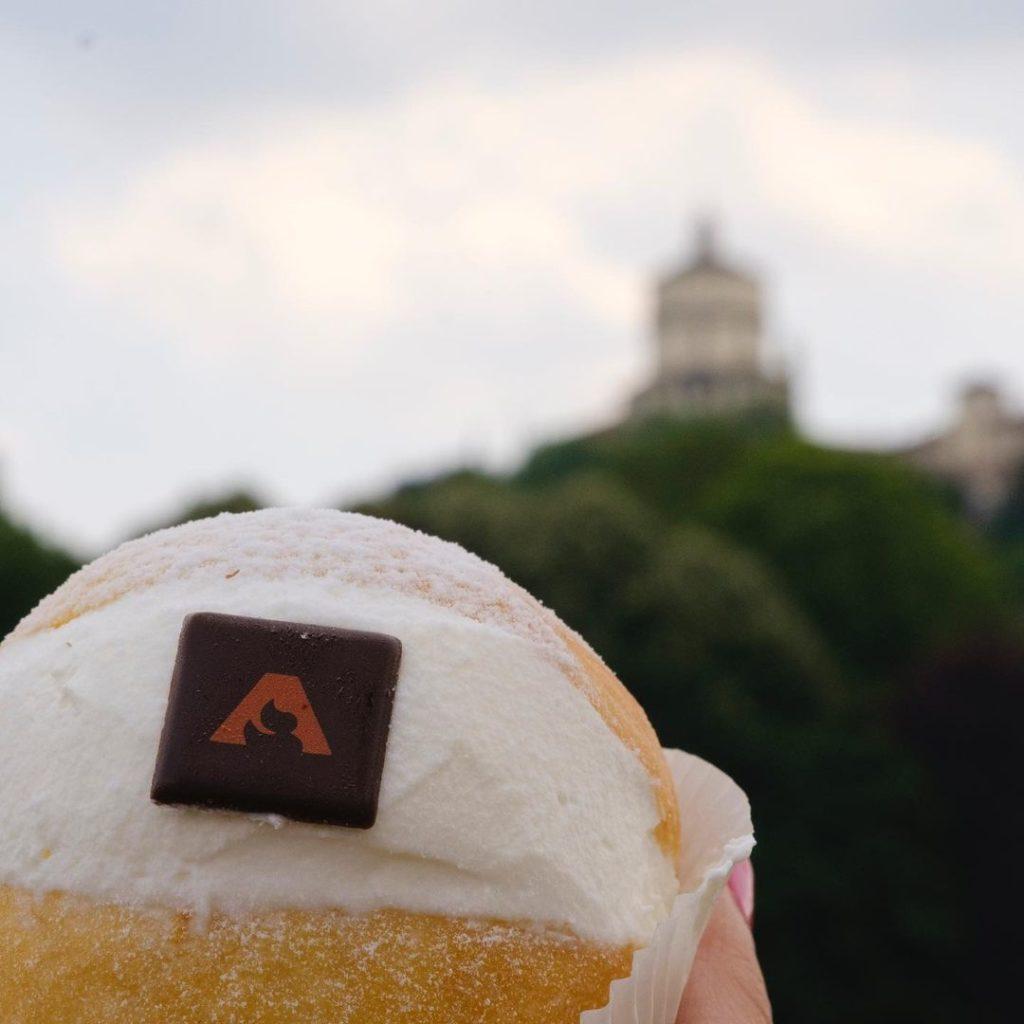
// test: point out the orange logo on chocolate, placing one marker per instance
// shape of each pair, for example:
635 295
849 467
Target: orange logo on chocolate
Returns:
280 699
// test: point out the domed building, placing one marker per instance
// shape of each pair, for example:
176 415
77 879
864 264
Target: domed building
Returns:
710 360
708 332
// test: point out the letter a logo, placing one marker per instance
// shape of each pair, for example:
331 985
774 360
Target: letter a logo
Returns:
285 696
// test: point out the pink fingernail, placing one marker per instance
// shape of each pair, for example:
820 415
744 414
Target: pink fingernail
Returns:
741 885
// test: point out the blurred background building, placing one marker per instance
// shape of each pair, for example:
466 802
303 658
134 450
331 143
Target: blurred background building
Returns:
981 452
711 359
709 339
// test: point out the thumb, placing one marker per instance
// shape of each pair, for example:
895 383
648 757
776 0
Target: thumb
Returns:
726 985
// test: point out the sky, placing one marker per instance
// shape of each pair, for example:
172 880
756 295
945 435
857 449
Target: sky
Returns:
317 248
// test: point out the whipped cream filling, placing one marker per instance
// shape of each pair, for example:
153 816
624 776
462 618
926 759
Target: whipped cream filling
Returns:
504 793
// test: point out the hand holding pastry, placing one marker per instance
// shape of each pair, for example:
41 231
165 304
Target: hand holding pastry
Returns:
726 985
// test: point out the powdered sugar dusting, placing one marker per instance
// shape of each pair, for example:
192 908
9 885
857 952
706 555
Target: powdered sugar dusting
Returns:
279 544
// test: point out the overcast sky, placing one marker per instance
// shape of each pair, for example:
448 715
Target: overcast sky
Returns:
317 247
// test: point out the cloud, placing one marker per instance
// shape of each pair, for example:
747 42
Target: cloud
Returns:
463 267
326 223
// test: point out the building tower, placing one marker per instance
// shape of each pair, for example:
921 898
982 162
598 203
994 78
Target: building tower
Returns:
709 342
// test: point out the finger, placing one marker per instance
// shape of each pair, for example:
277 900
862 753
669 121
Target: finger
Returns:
726 985
741 885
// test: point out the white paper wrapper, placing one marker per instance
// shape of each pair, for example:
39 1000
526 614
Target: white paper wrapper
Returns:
717 833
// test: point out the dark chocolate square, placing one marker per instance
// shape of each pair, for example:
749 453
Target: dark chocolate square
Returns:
278 718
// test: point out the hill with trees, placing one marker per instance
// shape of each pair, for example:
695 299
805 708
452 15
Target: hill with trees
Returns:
825 626
773 605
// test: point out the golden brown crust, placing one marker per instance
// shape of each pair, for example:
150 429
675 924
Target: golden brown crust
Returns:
624 716
68 961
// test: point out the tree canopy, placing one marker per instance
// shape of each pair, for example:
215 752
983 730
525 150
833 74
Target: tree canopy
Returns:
29 569
822 624
766 600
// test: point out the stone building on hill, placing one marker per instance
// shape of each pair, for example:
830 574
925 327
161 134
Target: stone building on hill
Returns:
709 341
981 453
710 359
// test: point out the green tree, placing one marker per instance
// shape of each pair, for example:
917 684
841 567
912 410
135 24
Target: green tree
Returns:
749 589
234 500
667 464
29 569
871 552
1007 531
728 666
868 550
576 546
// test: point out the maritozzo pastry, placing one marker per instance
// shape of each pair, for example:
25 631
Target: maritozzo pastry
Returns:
313 766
